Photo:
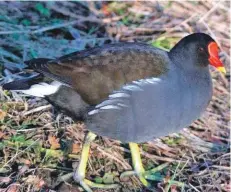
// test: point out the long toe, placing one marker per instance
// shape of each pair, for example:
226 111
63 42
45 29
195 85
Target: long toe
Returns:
134 173
87 185
154 174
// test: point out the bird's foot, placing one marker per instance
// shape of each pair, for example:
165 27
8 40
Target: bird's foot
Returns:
151 175
87 185
144 176
79 174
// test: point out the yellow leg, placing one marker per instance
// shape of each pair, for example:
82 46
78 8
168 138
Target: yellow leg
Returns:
79 174
139 169
146 175
81 170
137 165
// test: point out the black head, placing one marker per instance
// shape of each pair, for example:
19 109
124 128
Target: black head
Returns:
197 50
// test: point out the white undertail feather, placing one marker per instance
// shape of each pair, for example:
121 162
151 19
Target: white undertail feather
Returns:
42 89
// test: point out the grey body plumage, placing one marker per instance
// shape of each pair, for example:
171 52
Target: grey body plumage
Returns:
153 107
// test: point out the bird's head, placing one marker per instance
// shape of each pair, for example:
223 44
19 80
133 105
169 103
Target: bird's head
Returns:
200 49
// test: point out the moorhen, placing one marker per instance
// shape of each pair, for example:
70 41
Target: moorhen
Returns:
130 92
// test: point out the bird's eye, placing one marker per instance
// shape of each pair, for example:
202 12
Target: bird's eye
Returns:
201 49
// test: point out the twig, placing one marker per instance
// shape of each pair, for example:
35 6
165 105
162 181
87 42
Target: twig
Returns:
37 109
193 187
14 32
125 165
221 167
43 29
209 12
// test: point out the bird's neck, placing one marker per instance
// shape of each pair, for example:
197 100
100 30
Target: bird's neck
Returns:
187 62
180 57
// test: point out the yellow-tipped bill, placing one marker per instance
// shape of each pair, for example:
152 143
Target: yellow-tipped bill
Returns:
214 59
221 69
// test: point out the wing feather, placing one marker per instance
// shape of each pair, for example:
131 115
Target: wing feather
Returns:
117 116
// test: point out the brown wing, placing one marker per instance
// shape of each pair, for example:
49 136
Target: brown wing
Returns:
96 72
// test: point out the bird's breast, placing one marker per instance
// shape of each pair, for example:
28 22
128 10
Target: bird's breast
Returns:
168 106
150 108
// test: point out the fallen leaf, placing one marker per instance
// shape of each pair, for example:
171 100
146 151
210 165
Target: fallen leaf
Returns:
36 181
32 179
75 148
13 187
98 179
23 169
173 188
105 10
26 161
65 187
2 114
226 187
108 178
2 135
5 179
41 184
4 170
54 142
53 153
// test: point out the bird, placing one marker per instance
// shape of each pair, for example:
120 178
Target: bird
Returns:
127 91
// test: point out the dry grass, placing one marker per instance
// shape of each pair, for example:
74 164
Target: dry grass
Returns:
39 147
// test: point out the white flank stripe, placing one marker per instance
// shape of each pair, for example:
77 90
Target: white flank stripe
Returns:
110 107
119 95
107 102
132 88
93 112
122 105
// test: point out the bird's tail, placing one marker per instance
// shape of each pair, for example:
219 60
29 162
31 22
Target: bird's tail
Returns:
27 80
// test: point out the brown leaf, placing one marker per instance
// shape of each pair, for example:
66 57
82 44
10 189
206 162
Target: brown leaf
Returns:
54 142
2 135
2 114
36 181
75 148
173 188
41 184
23 169
32 179
13 187
67 188
105 10
26 161
226 187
